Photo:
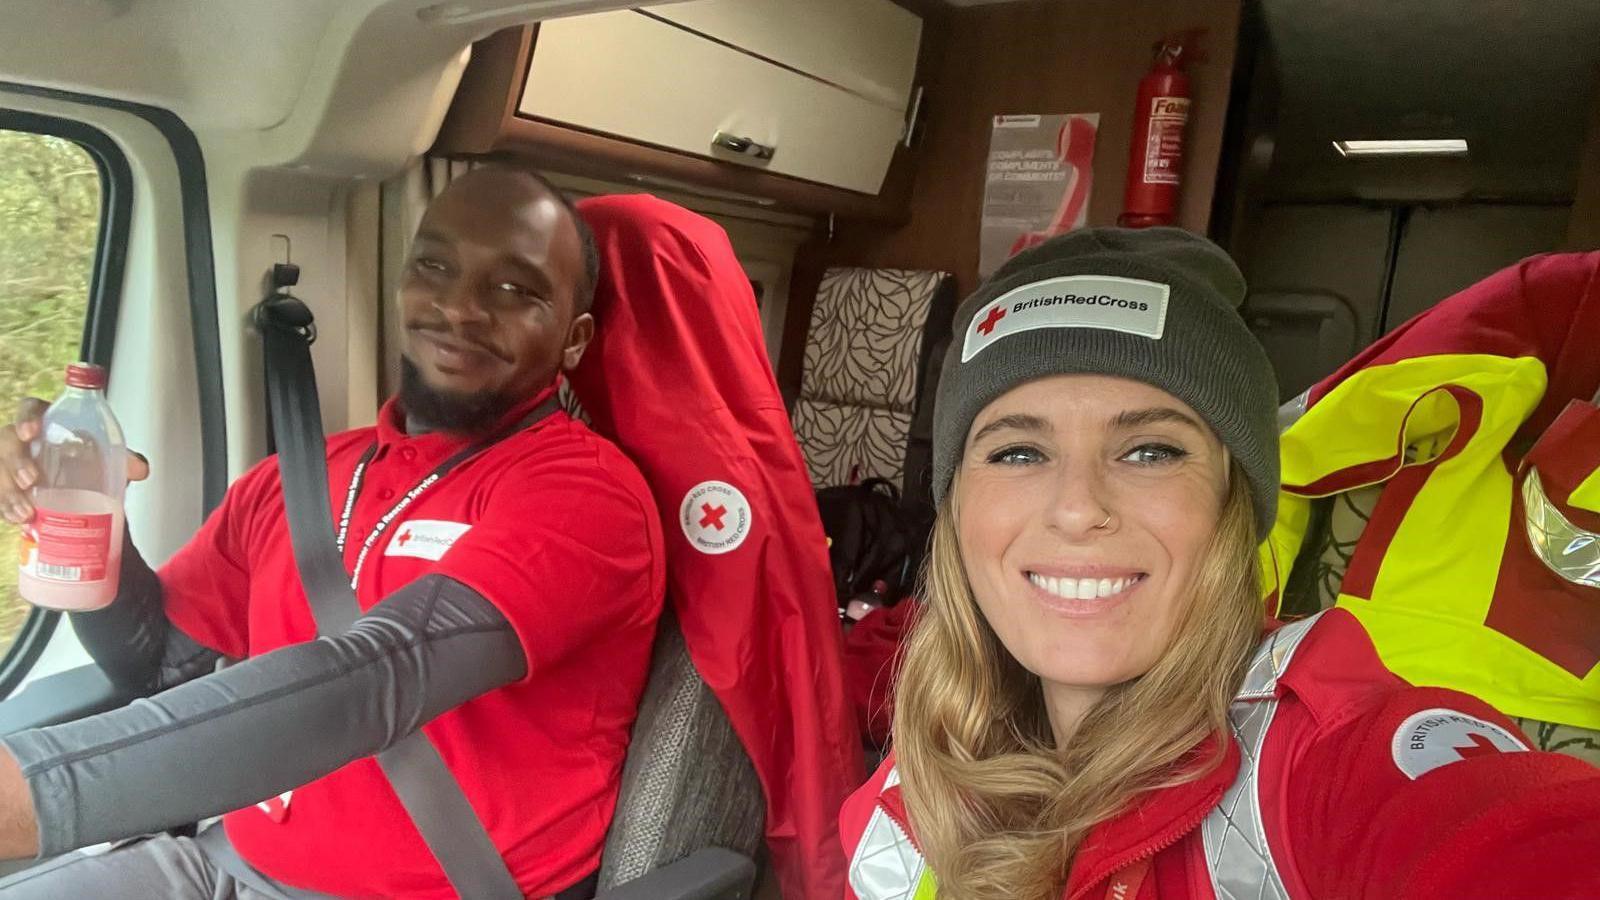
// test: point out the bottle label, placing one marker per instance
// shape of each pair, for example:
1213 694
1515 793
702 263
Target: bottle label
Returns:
67 547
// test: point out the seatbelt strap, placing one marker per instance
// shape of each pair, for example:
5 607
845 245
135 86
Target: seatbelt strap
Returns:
426 788
287 332
213 842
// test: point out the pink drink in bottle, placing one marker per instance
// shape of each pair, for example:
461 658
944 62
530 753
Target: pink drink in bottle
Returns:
72 550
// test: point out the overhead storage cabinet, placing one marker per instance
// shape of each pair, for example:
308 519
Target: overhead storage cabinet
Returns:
816 91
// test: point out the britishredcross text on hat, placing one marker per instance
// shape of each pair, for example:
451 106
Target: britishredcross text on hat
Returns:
1128 305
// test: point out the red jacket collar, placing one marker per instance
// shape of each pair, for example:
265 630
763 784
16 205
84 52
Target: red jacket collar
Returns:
1156 820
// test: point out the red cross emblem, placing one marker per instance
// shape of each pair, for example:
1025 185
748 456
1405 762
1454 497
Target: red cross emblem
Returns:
993 319
404 537
713 516
1481 746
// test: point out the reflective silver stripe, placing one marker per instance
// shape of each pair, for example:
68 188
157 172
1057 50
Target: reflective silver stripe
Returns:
885 866
1571 552
1237 855
1290 412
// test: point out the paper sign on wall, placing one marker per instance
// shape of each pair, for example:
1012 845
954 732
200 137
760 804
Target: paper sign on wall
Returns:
1037 184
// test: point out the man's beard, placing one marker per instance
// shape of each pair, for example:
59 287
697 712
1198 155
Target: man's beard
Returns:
428 408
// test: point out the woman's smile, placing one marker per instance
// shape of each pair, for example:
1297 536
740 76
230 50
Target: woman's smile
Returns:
1089 594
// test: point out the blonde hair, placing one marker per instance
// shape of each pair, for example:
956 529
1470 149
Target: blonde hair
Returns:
997 808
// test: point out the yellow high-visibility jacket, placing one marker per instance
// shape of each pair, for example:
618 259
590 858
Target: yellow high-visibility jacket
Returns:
1451 413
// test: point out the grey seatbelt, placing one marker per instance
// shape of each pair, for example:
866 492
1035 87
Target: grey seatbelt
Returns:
426 788
213 842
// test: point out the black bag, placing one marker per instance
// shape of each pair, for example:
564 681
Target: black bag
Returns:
870 539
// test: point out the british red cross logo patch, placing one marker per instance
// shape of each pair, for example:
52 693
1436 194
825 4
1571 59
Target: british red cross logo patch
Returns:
1435 738
425 538
716 517
1131 306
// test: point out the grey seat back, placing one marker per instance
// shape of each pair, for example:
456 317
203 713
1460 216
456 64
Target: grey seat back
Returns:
687 783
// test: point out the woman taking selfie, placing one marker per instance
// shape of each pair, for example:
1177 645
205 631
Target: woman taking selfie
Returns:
1091 703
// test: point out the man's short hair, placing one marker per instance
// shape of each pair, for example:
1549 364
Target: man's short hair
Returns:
513 162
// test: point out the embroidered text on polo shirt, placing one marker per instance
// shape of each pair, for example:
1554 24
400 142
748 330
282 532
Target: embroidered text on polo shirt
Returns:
425 538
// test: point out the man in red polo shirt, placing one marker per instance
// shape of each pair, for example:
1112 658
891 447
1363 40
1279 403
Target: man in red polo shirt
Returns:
510 605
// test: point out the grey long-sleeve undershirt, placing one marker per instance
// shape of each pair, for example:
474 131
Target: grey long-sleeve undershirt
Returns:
272 723
133 641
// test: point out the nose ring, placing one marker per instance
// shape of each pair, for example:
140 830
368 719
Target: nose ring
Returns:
1105 523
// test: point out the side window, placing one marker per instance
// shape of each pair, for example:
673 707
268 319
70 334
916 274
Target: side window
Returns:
51 197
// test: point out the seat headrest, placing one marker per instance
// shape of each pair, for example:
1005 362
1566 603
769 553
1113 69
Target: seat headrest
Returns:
678 327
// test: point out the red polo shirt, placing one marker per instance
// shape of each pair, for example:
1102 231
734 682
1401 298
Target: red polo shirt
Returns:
555 527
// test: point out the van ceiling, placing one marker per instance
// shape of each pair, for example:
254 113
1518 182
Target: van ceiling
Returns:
350 87
1515 79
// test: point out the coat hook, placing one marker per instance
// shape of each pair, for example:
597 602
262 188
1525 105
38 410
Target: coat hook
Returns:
283 275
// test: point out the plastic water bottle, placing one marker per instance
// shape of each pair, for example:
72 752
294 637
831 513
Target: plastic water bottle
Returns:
72 550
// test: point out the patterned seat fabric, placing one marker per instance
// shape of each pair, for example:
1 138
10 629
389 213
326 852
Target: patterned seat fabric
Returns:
1314 585
864 354
687 783
571 403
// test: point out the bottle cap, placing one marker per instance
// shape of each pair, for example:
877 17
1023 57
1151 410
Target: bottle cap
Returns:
84 375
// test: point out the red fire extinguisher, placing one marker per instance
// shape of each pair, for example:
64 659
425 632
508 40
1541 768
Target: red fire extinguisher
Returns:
1155 161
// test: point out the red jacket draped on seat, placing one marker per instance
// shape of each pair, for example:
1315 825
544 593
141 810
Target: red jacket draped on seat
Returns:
678 376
